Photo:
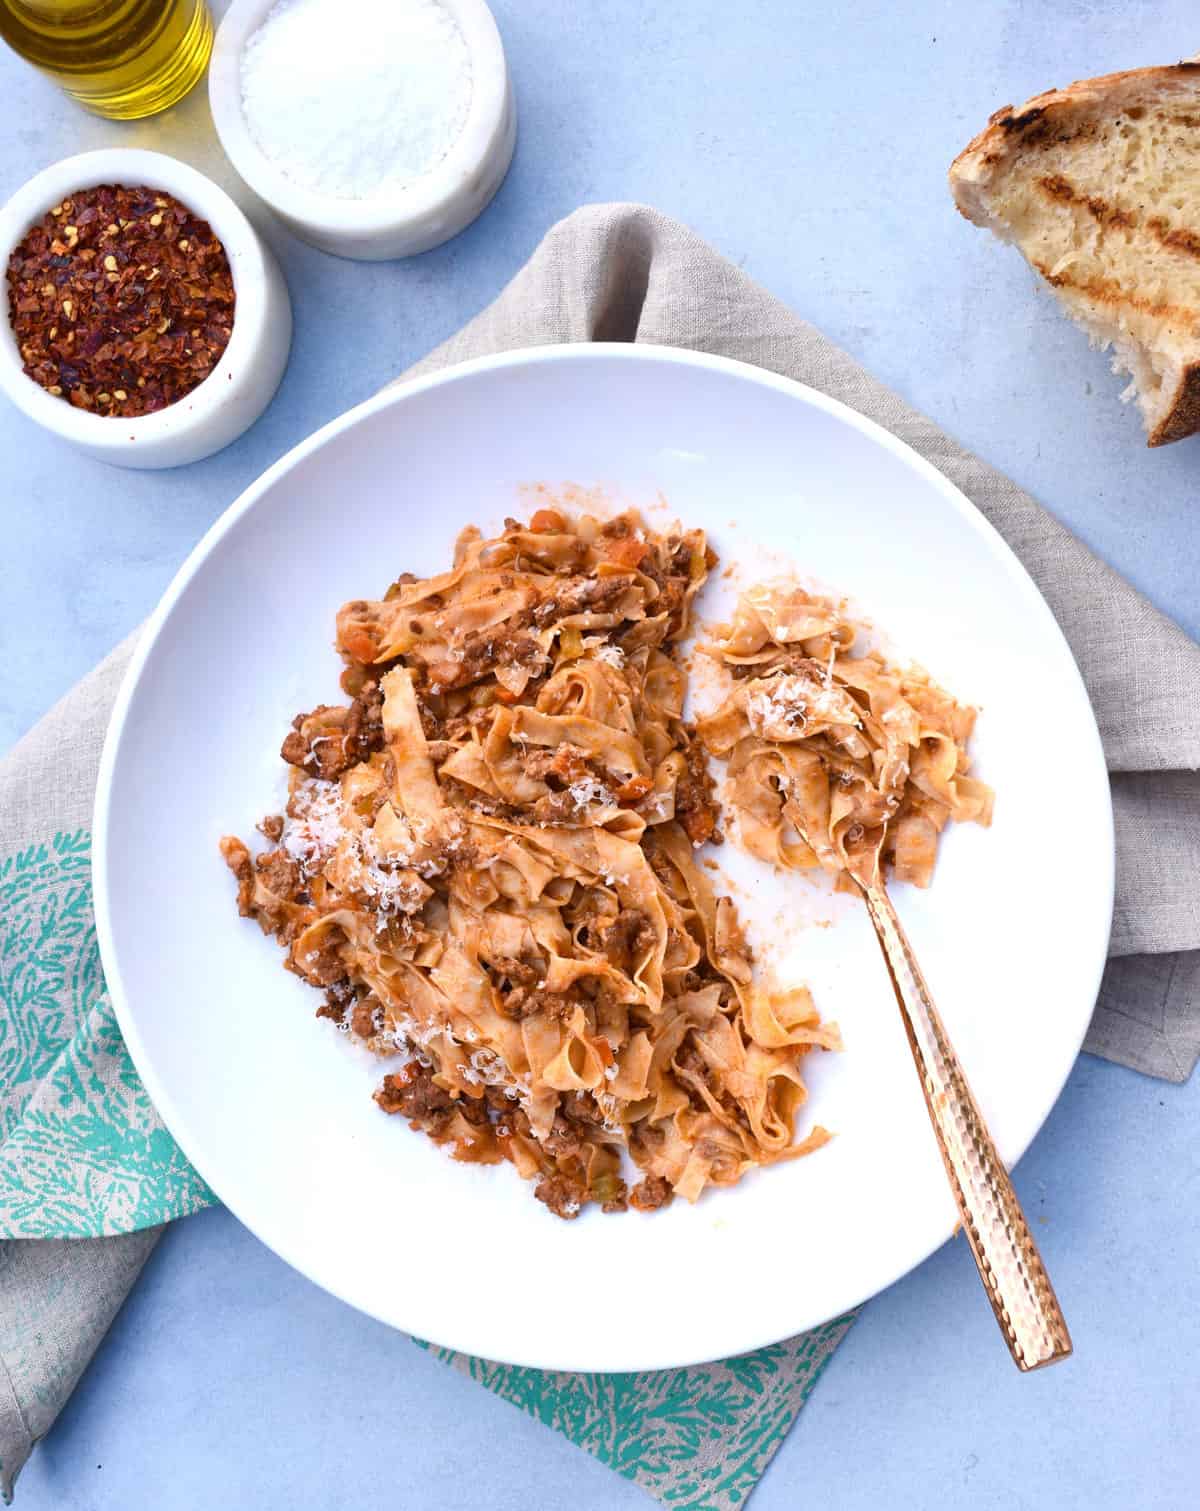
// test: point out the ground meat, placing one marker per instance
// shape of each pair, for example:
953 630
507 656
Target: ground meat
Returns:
279 874
580 1106
464 795
564 1140
516 649
496 1099
564 1197
412 1093
628 938
518 972
660 864
482 652
294 749
519 1122
272 827
556 1005
558 808
690 1062
695 797
561 769
237 858
516 1004
650 1194
525 650
592 910
337 999
329 740
781 662
521 977
322 966
474 1110
561 766
365 1019
318 750
364 727
671 599
523 1002
674 581
595 594
694 980
432 709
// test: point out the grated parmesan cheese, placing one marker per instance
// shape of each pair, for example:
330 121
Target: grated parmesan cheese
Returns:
392 890
588 790
786 706
315 830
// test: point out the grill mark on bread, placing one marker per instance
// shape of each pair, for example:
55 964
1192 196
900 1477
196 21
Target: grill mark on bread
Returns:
1180 240
1105 291
1012 122
1075 147
1107 214
1035 126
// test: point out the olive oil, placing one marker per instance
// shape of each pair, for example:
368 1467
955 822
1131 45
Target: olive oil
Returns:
119 58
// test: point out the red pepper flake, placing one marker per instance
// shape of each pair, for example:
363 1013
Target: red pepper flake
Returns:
121 300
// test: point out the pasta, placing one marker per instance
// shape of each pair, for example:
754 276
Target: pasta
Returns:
487 863
836 760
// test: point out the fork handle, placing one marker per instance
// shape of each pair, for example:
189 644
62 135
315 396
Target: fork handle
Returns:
1009 1263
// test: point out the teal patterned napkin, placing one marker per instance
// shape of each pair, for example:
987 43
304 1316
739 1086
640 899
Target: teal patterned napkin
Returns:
84 1156
84 1152
87 1170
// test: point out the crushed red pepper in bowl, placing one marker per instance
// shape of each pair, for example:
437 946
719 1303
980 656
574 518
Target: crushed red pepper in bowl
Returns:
121 300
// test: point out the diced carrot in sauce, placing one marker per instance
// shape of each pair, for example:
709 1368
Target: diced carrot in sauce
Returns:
624 553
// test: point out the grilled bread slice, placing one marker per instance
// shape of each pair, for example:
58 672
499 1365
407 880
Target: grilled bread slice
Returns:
1098 185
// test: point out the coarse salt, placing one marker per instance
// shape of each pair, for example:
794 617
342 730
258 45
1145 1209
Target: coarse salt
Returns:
356 102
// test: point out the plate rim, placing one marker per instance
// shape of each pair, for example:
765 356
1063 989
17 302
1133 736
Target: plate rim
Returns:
397 392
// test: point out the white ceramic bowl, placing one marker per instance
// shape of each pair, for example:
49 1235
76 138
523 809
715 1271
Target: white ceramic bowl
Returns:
243 382
420 215
274 1107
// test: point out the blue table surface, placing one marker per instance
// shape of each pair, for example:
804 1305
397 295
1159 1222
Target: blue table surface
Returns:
809 143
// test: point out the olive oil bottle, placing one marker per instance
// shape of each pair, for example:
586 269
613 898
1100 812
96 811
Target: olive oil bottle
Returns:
119 58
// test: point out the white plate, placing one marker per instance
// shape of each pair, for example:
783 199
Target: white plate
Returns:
274 1108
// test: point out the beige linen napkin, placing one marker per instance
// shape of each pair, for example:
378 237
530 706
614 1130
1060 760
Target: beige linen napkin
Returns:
627 273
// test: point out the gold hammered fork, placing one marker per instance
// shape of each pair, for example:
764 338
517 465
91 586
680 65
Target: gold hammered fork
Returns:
1010 1265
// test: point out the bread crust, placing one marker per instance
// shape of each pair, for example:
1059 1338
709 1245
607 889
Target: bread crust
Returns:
1054 113
1183 417
1059 115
